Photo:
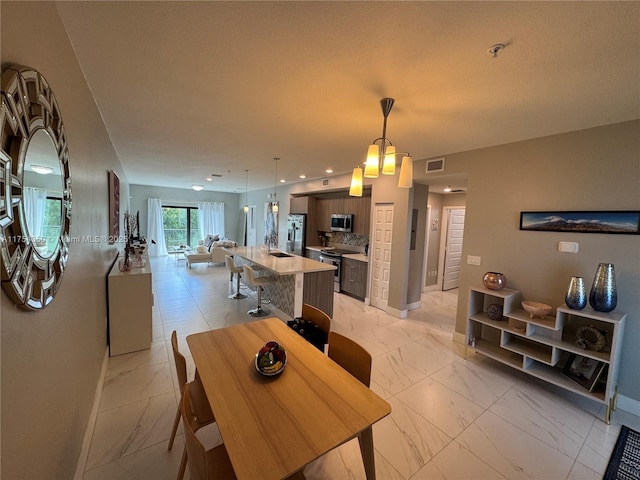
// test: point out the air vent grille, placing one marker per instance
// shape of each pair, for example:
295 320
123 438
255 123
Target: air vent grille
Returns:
436 165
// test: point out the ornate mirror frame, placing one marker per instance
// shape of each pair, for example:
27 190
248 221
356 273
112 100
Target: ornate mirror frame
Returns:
29 105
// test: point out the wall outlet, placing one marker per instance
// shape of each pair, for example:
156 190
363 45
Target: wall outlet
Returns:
473 260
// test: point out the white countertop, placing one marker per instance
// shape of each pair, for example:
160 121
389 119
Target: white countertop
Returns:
361 257
353 256
280 265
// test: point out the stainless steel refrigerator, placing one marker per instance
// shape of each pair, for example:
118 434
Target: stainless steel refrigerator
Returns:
296 234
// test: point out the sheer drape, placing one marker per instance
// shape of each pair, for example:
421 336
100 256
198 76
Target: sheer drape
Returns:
211 219
35 203
155 229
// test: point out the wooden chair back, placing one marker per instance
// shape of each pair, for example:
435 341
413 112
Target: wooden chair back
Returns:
351 356
203 464
181 362
317 316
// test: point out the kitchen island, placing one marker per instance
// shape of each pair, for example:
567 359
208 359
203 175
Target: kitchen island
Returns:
299 280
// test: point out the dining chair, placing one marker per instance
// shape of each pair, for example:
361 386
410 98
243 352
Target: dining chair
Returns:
231 266
351 356
203 464
251 279
317 317
198 397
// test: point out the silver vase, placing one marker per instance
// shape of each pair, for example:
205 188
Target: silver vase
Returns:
604 296
576 297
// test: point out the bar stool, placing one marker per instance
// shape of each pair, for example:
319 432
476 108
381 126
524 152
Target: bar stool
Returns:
258 282
228 260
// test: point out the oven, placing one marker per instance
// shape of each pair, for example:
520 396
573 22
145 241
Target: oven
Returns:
336 260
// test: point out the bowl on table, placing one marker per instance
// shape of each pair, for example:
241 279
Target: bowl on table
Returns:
271 359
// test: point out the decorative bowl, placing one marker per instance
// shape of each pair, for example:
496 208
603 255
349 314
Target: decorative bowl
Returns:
494 280
271 359
537 309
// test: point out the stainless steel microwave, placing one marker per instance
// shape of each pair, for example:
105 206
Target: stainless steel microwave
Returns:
341 222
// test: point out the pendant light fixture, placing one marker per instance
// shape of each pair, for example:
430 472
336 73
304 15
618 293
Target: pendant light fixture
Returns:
246 192
381 152
274 203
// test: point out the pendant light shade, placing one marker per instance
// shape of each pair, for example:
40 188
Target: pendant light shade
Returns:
356 183
382 153
389 165
406 173
246 192
372 165
274 203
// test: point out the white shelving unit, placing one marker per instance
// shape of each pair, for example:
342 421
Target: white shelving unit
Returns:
542 346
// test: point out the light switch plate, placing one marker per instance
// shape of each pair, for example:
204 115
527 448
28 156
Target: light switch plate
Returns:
473 260
568 247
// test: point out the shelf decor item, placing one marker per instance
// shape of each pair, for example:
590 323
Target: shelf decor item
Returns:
576 297
494 311
494 280
584 371
536 309
604 295
589 337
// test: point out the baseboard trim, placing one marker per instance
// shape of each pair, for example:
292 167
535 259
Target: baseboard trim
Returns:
414 305
459 338
431 288
396 313
628 405
91 423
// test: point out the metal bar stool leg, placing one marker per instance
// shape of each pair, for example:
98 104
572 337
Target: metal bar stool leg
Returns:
237 295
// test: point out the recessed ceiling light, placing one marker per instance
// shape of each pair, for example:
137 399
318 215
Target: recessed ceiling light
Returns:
447 188
197 187
42 170
329 170
303 176
209 179
282 180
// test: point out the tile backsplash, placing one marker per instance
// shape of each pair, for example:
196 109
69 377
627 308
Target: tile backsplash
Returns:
343 239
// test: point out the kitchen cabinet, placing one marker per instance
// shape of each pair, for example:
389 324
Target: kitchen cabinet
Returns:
353 280
304 204
542 347
130 309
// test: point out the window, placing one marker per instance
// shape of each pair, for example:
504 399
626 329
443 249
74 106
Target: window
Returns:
52 225
180 226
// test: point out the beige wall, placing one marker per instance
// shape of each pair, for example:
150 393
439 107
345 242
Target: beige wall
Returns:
51 359
594 169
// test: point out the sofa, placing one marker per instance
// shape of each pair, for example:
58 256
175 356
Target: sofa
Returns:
209 250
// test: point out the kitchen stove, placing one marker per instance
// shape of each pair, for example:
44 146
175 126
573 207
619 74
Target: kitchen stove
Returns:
333 256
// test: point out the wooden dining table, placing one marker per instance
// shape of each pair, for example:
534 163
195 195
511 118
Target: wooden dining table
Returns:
272 426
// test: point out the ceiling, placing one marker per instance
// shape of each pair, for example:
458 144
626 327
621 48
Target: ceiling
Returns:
189 89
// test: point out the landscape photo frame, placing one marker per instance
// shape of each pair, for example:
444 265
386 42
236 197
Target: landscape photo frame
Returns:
626 222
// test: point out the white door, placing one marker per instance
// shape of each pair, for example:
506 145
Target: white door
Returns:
252 233
453 248
381 253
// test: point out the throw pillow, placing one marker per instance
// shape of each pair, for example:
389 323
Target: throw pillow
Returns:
201 249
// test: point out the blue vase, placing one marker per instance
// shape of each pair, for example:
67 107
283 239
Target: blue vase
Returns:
604 296
576 297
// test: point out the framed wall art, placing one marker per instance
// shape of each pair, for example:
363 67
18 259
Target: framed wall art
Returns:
114 207
621 222
584 371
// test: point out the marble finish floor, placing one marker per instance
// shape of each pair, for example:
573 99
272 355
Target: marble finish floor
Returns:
452 418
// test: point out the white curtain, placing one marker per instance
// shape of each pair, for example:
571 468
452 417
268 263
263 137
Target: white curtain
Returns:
155 229
35 203
211 219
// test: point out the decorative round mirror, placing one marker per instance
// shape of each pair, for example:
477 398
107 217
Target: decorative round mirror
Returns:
35 201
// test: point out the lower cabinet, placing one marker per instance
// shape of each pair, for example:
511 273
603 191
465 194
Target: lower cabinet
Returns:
353 279
578 350
130 309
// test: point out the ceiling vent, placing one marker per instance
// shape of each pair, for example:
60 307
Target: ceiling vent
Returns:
216 175
436 165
